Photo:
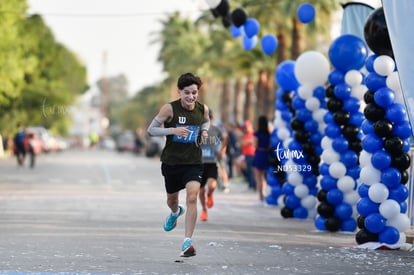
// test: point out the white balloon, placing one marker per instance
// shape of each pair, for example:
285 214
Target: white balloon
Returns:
353 78
337 170
403 238
309 202
370 175
280 201
295 178
326 143
301 191
401 222
305 92
384 65
352 198
330 156
312 68
389 209
365 158
318 115
393 81
346 184
213 3
358 91
378 192
283 133
312 104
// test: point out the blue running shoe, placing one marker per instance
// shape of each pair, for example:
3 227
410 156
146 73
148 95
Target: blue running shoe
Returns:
171 221
187 250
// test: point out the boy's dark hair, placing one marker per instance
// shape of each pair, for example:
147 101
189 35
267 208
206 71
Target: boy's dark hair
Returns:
188 79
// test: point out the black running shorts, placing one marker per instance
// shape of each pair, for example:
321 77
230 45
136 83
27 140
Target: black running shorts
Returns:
176 177
210 171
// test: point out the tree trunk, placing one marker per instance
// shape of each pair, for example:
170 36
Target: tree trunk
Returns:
270 96
225 103
248 103
296 39
281 54
238 103
261 94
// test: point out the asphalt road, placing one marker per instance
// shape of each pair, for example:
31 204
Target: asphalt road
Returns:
100 212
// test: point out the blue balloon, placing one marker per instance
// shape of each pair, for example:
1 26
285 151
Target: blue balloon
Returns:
352 104
372 143
292 201
236 31
356 118
271 200
384 97
348 52
288 188
390 235
391 177
298 103
365 207
310 181
336 77
303 114
363 190
249 43
320 223
343 211
342 91
340 144
324 169
285 76
269 43
251 27
287 116
349 158
305 13
399 193
396 113
319 93
402 129
272 180
328 118
300 213
374 222
369 64
332 130
349 225
353 172
328 183
403 207
381 159
367 127
311 126
374 81
335 196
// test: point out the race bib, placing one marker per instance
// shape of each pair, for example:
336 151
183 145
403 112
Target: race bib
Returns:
207 152
192 134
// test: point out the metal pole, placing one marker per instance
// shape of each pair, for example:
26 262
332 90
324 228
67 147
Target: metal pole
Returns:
411 188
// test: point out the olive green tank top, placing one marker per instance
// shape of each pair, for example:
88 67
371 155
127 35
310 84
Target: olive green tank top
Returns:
180 150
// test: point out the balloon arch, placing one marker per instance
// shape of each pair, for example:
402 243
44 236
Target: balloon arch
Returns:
341 137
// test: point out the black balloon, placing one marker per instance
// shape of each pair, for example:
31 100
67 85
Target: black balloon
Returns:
308 147
383 128
301 135
364 236
373 112
350 132
334 104
405 176
369 97
296 124
286 212
287 97
376 33
401 162
329 91
322 195
239 17
355 146
226 20
341 117
222 9
361 222
325 209
333 224
394 145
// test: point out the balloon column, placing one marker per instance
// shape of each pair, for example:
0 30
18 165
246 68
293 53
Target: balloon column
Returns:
342 141
284 112
304 149
384 159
